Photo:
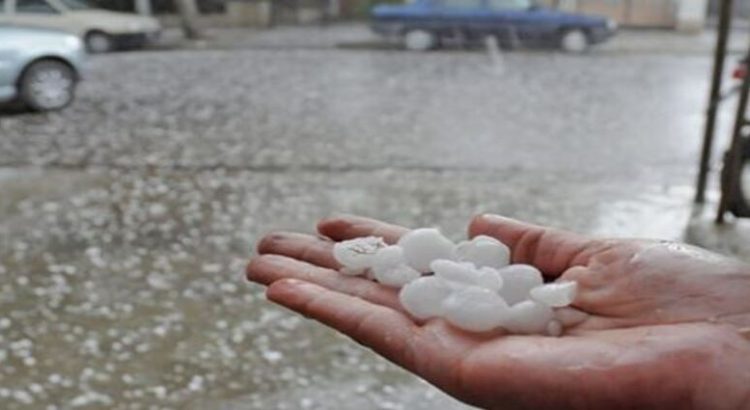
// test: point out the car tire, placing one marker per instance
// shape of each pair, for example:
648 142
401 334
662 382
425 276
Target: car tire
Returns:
419 40
48 85
98 42
574 41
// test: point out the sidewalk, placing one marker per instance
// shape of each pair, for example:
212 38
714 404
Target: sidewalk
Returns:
731 238
358 36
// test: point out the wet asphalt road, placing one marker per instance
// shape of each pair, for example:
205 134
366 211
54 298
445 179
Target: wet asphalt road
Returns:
127 218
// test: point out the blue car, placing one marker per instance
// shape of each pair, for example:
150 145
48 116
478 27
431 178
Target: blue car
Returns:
39 67
426 24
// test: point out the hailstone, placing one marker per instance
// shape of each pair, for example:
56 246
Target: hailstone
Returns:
484 251
558 294
422 246
528 317
518 280
396 276
388 257
473 287
423 298
357 253
455 271
490 278
475 309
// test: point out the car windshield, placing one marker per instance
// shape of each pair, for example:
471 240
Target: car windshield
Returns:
76 4
511 4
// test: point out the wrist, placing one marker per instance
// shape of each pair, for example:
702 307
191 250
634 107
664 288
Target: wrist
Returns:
727 373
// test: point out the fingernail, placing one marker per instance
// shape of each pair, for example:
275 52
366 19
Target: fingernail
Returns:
268 240
495 218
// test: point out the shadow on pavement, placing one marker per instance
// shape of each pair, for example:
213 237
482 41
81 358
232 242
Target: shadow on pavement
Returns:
13 109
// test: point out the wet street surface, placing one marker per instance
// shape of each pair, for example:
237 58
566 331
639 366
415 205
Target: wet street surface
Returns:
127 219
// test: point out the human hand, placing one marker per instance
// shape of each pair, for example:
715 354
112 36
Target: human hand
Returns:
663 324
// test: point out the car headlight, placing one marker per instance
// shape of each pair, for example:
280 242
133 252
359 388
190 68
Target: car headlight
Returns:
611 25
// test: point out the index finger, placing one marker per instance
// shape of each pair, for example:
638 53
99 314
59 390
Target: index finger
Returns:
345 227
386 331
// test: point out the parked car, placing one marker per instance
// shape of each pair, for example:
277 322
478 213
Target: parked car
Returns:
39 67
101 30
425 24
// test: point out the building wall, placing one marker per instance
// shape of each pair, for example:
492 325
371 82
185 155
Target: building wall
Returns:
688 15
741 8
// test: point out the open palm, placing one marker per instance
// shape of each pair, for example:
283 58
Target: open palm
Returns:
662 327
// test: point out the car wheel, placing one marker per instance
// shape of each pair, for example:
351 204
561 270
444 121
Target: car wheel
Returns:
98 42
419 40
574 41
48 85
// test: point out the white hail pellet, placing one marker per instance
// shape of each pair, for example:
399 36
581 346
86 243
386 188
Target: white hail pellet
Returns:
558 294
475 309
528 317
423 298
461 272
390 269
518 280
484 251
396 276
422 246
357 253
490 278
388 257
473 288
468 274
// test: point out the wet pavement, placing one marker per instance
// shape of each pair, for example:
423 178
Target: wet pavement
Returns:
127 218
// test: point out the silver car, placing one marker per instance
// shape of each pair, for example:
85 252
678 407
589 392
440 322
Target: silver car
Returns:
39 67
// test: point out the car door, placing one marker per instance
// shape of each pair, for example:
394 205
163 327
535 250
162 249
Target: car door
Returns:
37 13
520 21
8 58
465 18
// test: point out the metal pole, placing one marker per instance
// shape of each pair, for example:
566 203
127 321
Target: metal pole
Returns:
725 21
734 157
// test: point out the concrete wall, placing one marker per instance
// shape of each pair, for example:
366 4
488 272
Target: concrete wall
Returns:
741 8
683 15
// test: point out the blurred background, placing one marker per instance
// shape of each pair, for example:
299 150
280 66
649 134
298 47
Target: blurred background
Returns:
146 145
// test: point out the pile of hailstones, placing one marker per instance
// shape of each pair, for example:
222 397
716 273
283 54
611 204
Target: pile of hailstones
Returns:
471 285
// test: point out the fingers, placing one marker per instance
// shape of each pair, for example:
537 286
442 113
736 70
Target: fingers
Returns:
552 251
384 330
307 248
346 227
267 269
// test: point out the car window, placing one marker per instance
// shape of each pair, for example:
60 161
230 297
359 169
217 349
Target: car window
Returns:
510 4
461 4
76 4
34 6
